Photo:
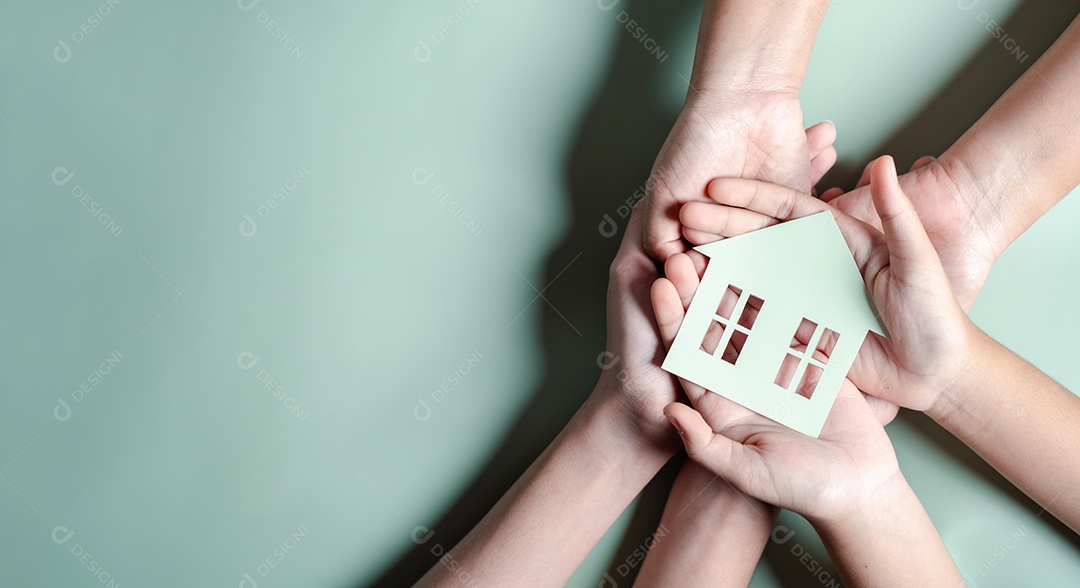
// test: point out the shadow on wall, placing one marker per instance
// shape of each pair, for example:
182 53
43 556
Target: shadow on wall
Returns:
613 151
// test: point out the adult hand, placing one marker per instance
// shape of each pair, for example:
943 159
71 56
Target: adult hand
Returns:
746 134
631 365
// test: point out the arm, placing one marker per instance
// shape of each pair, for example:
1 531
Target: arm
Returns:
1023 155
713 534
762 45
549 520
893 542
847 482
1007 170
1020 421
742 116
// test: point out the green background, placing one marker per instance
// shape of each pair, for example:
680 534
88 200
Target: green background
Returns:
364 289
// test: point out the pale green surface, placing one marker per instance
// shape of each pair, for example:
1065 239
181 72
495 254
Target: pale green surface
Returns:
360 292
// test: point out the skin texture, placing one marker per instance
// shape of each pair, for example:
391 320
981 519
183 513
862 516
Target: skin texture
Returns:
742 119
742 116
550 519
847 482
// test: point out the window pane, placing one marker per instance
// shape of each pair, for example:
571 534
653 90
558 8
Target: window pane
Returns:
712 337
803 334
728 302
734 347
787 371
809 381
750 311
826 345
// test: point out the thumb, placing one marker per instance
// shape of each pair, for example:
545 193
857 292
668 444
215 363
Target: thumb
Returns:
714 452
905 236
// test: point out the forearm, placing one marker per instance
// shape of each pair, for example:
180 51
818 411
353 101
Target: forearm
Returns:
1023 154
891 543
1021 422
761 45
710 534
550 519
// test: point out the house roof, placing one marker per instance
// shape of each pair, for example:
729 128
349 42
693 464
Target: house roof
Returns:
807 256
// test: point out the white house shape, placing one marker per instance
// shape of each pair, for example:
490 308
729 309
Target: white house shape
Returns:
800 274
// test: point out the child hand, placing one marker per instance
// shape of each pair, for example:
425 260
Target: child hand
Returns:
831 477
827 477
930 332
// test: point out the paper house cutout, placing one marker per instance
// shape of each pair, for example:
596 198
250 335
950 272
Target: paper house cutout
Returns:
796 271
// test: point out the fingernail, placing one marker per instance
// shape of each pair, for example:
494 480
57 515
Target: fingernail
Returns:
675 424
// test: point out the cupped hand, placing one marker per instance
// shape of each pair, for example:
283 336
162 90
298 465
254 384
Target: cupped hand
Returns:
911 289
631 364
815 477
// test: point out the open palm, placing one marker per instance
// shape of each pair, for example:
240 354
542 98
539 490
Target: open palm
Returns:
916 303
766 460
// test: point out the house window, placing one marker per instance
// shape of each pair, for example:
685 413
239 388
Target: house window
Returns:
803 365
731 324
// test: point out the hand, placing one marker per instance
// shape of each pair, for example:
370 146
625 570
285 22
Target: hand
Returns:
931 335
632 374
730 134
815 477
963 233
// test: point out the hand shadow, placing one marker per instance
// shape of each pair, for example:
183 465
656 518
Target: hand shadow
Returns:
616 143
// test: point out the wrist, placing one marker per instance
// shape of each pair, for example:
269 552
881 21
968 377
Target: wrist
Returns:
624 426
978 186
880 507
759 46
954 390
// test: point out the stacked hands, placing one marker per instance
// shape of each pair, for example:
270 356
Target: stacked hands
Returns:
738 160
933 342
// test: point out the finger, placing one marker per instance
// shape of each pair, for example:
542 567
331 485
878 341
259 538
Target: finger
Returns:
884 410
831 193
699 237
717 219
864 179
821 164
680 270
717 453
778 202
634 229
668 309
923 161
661 236
700 262
909 246
820 137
